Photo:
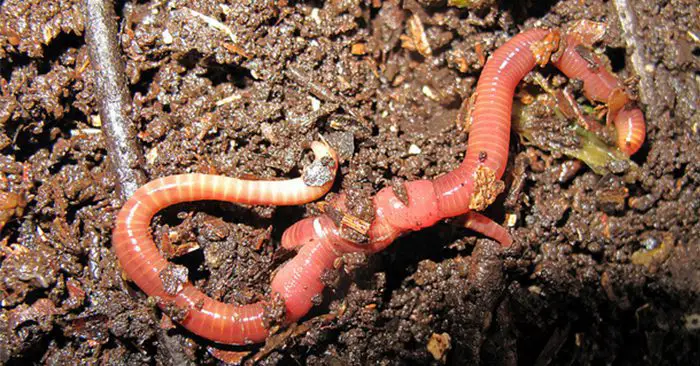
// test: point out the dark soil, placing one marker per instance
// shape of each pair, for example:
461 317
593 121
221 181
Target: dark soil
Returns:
590 280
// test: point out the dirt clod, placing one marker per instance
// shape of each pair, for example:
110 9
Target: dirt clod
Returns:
486 188
173 278
439 345
317 174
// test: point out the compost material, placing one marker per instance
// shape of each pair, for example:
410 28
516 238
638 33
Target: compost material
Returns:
604 268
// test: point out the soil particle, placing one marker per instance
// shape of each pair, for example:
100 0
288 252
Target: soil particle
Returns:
172 312
343 143
318 173
135 324
359 204
439 345
486 188
398 186
11 204
274 312
173 277
611 194
24 271
351 262
28 26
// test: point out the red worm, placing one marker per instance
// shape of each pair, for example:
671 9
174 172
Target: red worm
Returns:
484 225
424 202
601 85
489 134
322 240
143 263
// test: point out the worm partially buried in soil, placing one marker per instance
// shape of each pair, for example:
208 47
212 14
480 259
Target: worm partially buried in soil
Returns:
144 264
472 186
406 207
600 85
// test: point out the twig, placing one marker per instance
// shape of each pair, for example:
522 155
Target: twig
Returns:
317 89
113 99
628 19
215 24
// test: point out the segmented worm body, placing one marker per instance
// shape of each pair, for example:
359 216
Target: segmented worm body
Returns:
601 85
472 186
424 202
322 240
144 264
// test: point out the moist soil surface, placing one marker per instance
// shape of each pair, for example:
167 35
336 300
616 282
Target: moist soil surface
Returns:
603 269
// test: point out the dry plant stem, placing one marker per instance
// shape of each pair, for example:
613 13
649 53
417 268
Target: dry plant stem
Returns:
628 20
113 99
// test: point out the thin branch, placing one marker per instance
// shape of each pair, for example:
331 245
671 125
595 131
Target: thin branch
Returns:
113 99
628 19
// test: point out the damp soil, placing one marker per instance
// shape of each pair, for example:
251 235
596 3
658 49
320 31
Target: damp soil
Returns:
603 269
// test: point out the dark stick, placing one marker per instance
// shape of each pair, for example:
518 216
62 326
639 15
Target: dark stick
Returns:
630 33
113 99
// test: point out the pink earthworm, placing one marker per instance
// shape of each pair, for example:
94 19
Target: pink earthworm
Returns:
322 240
423 202
472 186
143 263
601 85
484 225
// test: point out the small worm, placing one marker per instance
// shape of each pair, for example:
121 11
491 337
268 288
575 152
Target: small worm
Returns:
484 225
319 240
143 263
473 185
601 85
425 202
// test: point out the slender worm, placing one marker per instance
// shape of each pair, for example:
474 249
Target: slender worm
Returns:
143 263
600 85
320 240
472 186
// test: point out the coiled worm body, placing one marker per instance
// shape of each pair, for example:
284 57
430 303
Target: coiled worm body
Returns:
143 263
321 241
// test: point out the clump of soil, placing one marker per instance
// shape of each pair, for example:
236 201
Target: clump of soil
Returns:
588 281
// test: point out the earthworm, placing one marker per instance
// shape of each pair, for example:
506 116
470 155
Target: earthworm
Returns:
489 134
599 84
321 241
143 263
472 186
484 225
